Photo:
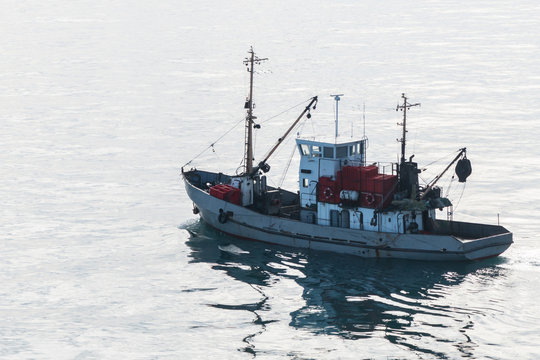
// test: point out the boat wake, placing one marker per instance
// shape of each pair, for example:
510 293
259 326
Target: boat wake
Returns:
232 249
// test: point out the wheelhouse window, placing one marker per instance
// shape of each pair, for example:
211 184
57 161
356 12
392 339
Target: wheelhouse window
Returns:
304 149
328 152
316 151
341 152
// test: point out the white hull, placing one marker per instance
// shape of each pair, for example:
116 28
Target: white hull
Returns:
248 224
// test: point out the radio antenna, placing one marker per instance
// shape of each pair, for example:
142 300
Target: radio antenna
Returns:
337 98
364 120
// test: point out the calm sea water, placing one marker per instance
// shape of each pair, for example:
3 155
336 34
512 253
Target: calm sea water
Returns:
102 102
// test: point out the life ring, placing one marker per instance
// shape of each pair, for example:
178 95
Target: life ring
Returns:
328 193
223 216
370 199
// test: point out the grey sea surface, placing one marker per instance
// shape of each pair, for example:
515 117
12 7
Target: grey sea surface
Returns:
102 102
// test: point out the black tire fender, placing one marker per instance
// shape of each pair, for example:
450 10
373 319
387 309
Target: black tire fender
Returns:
223 216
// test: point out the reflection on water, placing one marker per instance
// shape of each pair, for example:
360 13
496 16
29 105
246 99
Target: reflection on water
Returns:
350 297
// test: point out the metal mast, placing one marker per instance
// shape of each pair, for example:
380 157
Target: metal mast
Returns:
404 108
337 98
249 62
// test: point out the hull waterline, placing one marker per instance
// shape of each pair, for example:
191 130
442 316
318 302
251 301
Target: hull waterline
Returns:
247 224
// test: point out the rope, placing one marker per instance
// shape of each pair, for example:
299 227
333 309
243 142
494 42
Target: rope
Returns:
433 162
452 179
287 167
283 112
301 127
283 146
460 196
241 166
212 144
235 125
215 153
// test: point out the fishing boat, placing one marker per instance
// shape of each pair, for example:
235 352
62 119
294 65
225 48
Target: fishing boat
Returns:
343 204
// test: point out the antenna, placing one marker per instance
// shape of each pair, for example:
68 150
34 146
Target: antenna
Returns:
404 108
337 98
364 120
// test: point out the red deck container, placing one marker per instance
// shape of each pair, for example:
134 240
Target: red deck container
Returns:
350 178
378 191
226 192
384 184
354 177
367 173
339 179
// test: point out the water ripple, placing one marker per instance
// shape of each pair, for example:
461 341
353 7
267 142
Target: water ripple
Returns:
415 305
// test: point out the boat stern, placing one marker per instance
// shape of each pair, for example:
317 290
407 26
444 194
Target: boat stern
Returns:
488 247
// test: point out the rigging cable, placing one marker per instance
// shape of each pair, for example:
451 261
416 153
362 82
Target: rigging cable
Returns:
283 146
283 112
433 162
292 154
460 196
235 125
215 153
450 185
212 144
286 168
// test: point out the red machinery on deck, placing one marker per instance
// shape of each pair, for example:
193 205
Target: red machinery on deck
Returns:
375 190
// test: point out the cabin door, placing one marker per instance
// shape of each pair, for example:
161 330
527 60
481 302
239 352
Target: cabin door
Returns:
334 218
308 192
345 219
